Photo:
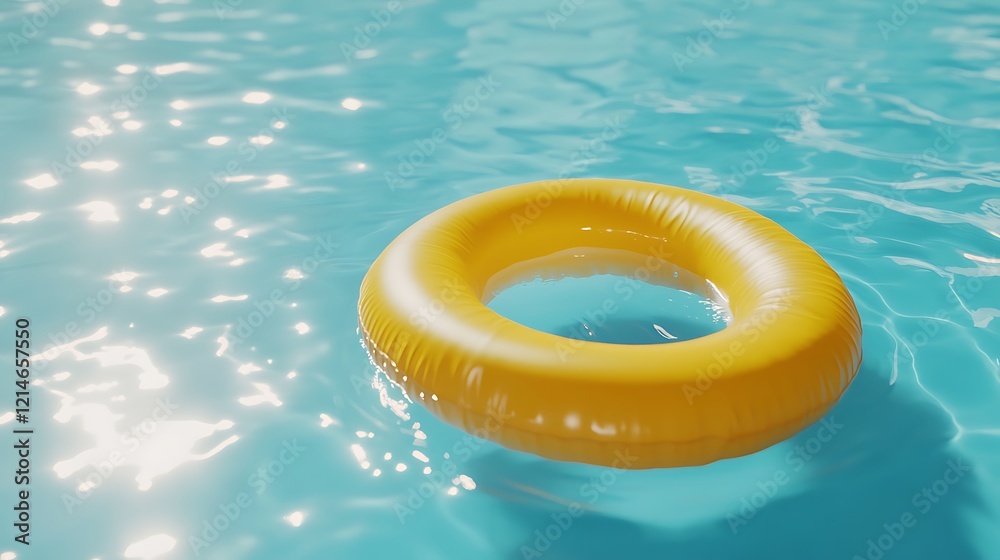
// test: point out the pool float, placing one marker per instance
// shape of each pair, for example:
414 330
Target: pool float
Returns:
790 352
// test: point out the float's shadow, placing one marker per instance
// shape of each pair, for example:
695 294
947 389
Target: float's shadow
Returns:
865 478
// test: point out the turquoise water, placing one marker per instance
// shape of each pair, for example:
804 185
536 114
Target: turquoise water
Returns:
611 308
195 191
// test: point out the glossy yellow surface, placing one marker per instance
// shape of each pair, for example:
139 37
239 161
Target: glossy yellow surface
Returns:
793 347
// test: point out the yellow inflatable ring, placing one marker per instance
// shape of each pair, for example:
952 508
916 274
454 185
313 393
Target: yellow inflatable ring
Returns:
792 349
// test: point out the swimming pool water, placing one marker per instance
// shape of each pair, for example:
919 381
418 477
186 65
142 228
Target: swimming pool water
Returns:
611 308
195 190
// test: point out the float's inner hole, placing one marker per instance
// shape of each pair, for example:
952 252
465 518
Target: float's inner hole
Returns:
610 296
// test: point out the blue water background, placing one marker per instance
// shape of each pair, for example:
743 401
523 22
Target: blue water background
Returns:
868 129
